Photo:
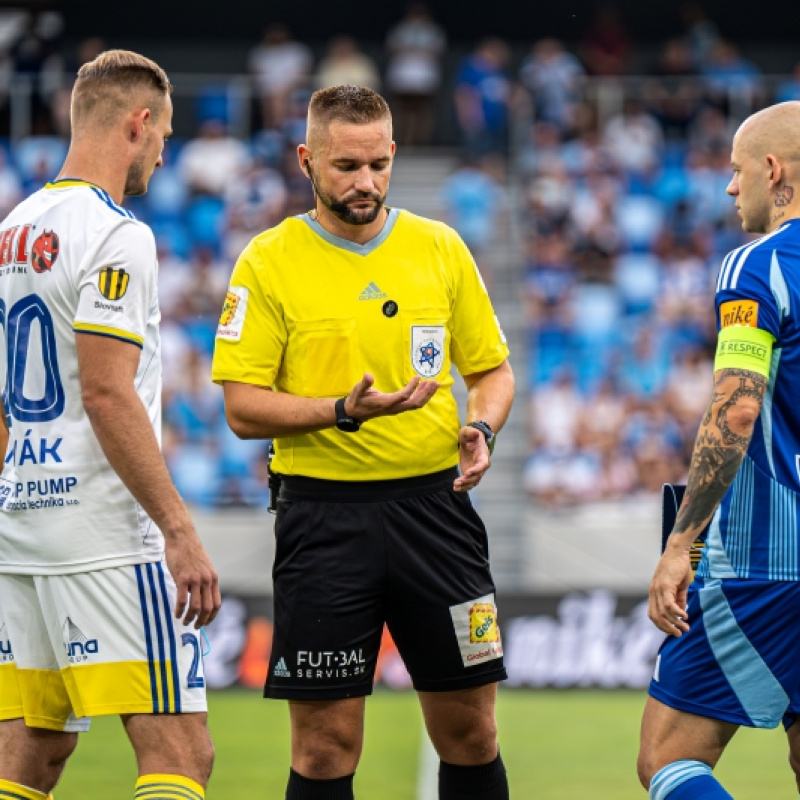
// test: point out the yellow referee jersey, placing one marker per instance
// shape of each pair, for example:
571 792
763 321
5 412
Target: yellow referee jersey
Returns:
308 313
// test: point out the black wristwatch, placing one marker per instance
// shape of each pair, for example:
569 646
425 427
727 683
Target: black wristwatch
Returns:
344 422
486 429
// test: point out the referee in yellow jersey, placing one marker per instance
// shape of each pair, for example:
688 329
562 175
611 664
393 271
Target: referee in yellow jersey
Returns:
336 340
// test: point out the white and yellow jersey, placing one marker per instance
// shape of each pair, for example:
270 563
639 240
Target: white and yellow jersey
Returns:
71 261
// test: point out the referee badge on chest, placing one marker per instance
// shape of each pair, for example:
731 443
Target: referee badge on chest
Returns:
427 349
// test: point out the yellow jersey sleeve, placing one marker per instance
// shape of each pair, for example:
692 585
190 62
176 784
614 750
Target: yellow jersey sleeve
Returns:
478 342
251 334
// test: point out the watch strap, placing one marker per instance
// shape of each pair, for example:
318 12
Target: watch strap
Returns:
344 422
486 429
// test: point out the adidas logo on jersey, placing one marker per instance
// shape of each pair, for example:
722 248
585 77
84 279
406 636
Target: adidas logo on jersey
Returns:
281 670
372 292
79 646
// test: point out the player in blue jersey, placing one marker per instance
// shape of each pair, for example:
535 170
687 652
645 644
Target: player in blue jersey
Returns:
732 656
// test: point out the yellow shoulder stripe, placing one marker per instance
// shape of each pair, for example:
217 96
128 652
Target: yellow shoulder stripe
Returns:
105 330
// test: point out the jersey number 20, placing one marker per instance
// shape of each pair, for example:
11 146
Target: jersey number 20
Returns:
18 325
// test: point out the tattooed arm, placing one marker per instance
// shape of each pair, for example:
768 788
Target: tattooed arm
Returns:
719 449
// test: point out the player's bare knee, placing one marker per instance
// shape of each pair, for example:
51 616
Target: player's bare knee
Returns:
649 761
474 743
329 754
644 770
61 748
794 763
36 754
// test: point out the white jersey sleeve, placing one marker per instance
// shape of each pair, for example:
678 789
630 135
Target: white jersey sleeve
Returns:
115 284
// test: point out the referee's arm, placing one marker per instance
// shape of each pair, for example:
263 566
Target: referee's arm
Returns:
490 394
256 412
489 397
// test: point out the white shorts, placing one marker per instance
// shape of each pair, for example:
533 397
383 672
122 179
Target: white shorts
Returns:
96 643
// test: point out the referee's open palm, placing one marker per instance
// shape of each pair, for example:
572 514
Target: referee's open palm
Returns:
366 402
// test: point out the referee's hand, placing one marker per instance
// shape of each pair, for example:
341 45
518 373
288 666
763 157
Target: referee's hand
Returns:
366 402
473 458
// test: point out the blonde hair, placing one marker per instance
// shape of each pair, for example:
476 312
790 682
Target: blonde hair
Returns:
112 83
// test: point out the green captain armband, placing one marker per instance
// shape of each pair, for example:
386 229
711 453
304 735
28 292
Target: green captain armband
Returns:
739 347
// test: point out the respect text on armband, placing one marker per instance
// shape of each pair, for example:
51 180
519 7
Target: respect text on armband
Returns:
745 348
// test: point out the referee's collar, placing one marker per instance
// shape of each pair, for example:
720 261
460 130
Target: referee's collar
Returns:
345 244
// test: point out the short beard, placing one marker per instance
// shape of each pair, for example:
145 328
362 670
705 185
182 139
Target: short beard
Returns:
135 183
758 220
348 215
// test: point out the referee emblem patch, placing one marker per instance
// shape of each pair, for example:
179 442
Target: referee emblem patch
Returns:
476 629
113 283
427 349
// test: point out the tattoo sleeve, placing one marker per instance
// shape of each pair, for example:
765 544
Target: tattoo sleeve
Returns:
721 444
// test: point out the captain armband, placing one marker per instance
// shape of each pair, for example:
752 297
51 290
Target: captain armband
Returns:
739 347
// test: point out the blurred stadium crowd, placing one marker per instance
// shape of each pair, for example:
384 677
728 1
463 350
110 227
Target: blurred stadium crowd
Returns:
616 176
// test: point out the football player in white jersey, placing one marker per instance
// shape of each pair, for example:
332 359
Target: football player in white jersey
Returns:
104 584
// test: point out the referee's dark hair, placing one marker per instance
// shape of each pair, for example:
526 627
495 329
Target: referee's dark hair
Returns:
358 105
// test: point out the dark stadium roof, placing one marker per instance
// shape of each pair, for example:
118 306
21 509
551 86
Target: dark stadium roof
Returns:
465 20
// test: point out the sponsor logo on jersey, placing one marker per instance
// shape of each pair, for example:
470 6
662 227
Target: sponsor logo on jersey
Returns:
372 292
427 349
483 623
14 245
231 321
113 283
229 308
742 313
44 251
327 664
281 670
78 646
476 630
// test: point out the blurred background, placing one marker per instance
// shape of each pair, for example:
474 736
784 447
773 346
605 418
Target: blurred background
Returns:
582 151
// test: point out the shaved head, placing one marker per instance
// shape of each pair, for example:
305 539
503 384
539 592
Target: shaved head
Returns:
765 158
775 130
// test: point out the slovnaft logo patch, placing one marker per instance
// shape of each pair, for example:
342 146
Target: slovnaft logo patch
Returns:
477 632
231 321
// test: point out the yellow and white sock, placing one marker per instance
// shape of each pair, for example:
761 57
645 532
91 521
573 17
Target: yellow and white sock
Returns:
166 787
16 791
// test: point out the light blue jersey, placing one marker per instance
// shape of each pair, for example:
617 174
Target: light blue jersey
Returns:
754 532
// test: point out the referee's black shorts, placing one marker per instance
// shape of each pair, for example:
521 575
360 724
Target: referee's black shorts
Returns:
351 556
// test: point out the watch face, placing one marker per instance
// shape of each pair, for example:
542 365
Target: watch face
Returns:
348 425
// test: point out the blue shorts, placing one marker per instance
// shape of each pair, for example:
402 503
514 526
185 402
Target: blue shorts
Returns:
740 662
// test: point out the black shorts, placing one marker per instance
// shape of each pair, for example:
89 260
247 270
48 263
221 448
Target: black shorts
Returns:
349 557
